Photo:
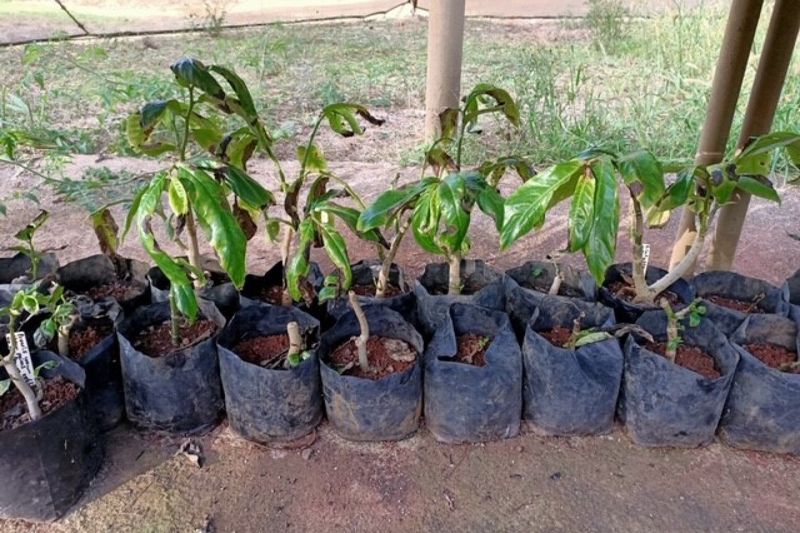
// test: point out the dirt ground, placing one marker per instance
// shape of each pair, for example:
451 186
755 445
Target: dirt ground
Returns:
524 484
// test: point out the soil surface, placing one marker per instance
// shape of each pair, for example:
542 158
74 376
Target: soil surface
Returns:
271 295
737 305
624 291
119 290
156 341
84 337
557 336
690 357
263 350
774 356
386 356
472 349
369 290
14 413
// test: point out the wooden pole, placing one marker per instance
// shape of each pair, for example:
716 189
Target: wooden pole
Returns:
764 97
725 89
445 47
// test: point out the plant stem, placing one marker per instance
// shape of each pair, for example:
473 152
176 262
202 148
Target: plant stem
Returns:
642 291
383 275
19 382
194 247
295 339
557 280
174 317
673 332
187 120
454 286
286 248
361 340
683 267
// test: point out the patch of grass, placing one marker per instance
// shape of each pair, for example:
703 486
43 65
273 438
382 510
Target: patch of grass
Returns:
609 81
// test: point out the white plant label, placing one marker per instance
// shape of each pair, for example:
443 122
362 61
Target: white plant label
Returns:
22 358
645 255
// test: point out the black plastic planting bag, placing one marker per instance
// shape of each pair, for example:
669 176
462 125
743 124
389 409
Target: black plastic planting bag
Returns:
365 273
664 404
767 298
102 366
180 392
520 304
539 275
763 409
630 312
468 403
17 267
48 464
372 410
265 404
570 391
220 291
254 285
97 270
482 285
794 288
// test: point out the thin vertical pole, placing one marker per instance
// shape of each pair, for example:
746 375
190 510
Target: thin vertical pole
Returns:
445 49
725 89
764 97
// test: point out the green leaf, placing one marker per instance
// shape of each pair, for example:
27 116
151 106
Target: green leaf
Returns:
451 194
178 201
342 118
448 122
491 203
766 144
5 385
581 212
247 189
26 234
350 217
527 206
336 248
133 211
273 229
642 167
239 88
502 100
190 72
677 194
225 236
758 187
388 204
592 337
601 246
299 266
425 220
312 159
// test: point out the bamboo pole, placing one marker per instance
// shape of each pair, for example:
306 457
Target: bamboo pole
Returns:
445 47
764 97
725 89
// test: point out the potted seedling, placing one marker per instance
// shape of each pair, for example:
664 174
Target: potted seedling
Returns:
473 377
372 374
592 180
168 354
689 365
438 207
766 386
270 373
29 264
189 130
572 366
47 437
313 223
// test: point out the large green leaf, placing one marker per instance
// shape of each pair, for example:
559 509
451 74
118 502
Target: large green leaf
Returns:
677 194
342 118
386 206
491 203
601 246
527 206
766 144
336 249
642 167
425 220
214 215
191 73
247 189
581 212
758 187
502 100
451 194
178 201
239 88
299 266
350 216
